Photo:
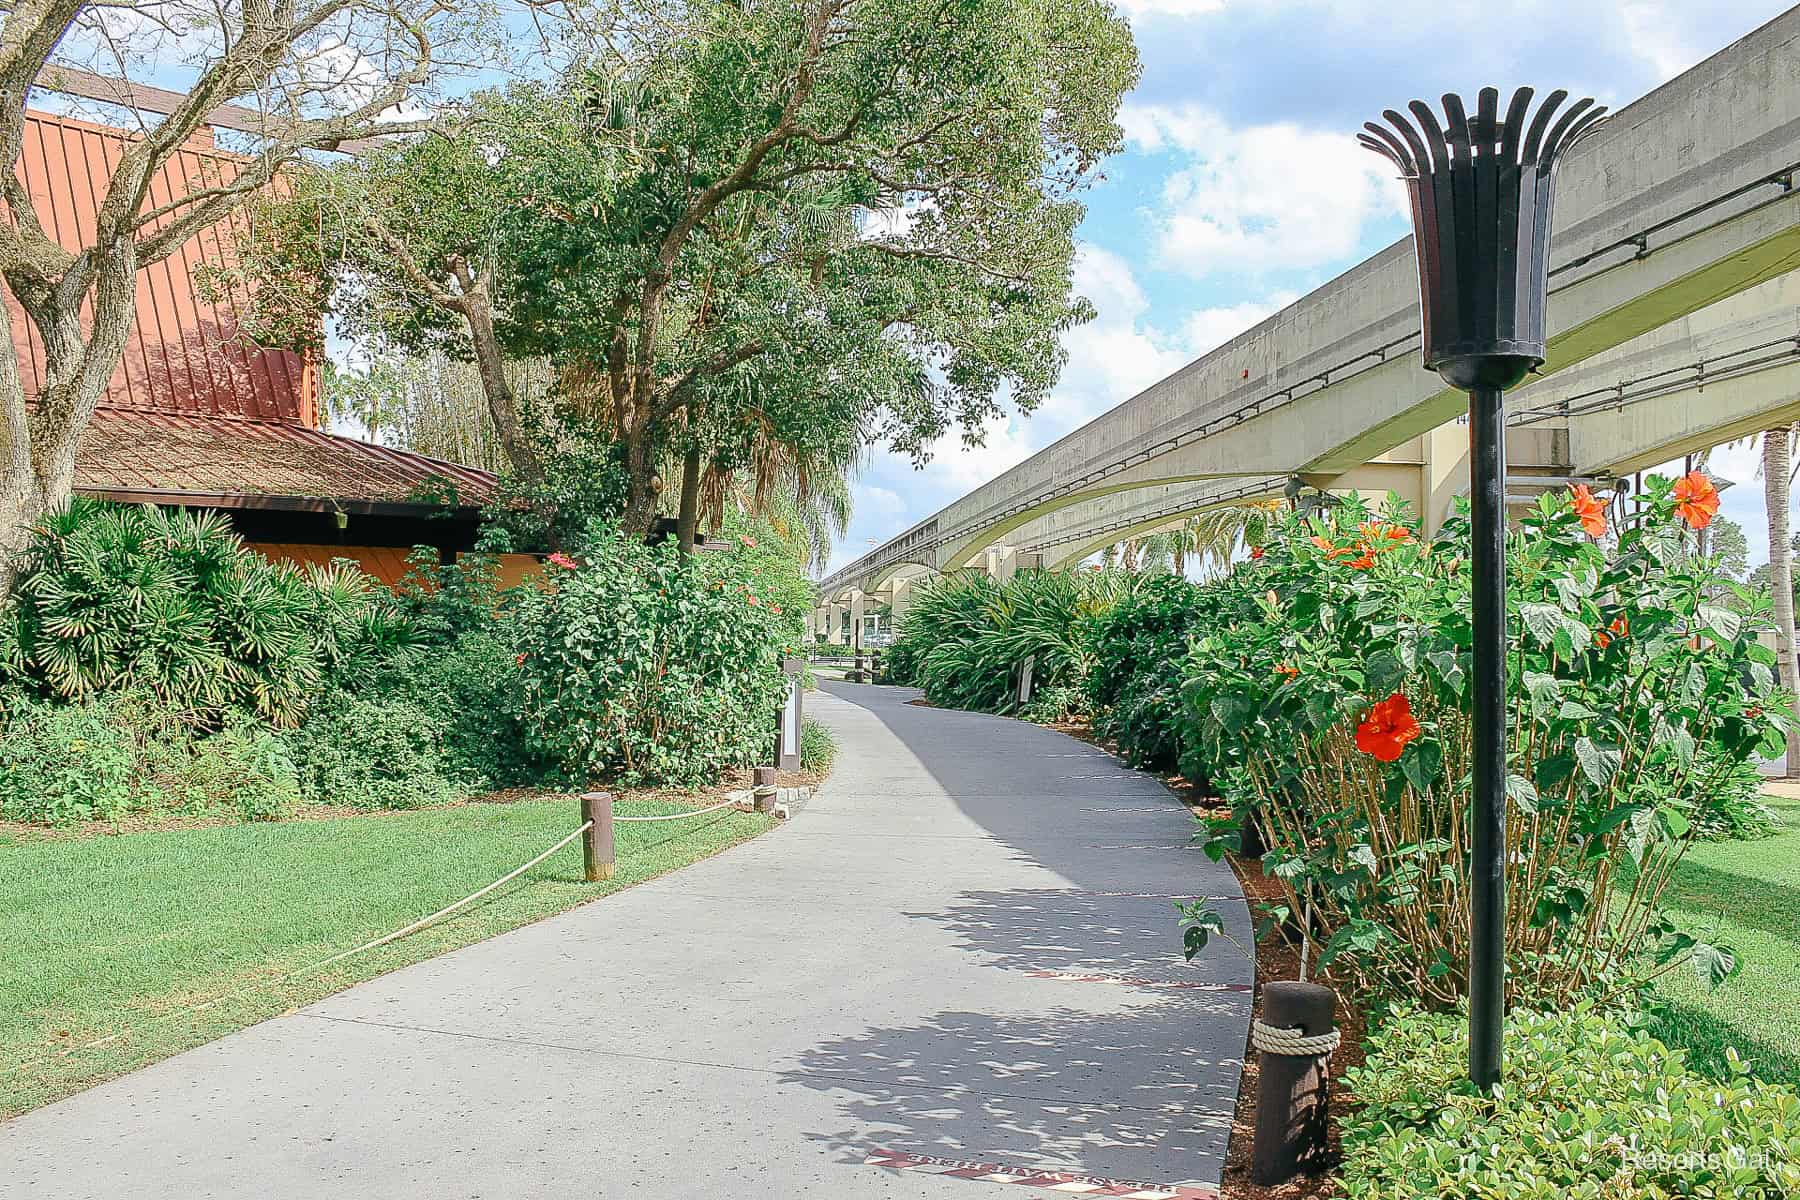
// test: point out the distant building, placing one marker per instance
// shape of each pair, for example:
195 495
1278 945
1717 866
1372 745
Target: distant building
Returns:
195 418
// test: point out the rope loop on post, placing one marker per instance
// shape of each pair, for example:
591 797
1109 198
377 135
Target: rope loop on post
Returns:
1272 1040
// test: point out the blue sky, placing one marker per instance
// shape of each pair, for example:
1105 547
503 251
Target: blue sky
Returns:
1203 225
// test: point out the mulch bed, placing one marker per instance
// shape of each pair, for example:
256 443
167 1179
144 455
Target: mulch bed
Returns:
1275 959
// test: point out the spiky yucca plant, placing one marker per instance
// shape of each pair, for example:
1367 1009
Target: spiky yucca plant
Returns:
173 604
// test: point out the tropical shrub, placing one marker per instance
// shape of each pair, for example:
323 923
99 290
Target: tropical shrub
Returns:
60 764
174 605
818 748
1055 704
1735 810
371 752
1590 1109
468 676
118 755
964 638
1138 648
1339 714
645 665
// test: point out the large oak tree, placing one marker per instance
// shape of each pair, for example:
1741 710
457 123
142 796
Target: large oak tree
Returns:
754 233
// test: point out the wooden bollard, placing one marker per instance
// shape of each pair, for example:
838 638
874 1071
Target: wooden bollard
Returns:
1293 1094
762 793
597 851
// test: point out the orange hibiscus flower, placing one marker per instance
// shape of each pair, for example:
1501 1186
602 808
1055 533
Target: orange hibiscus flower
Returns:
1387 729
1591 510
1375 533
1696 500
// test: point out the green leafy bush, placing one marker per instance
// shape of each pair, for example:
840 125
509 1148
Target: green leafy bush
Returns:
119 755
60 764
818 748
1332 698
468 675
1734 808
371 752
1589 1109
1051 705
645 665
1139 646
173 604
243 769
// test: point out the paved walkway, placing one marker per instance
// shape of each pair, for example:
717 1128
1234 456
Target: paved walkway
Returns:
953 952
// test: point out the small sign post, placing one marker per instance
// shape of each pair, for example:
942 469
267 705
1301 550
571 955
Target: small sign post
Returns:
787 743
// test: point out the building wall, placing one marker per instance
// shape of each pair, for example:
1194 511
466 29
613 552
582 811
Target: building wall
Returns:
388 563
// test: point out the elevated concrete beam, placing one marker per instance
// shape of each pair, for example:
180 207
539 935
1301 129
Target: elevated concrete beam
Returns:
1683 199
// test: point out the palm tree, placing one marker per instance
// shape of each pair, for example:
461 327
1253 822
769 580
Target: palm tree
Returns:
1214 537
1778 455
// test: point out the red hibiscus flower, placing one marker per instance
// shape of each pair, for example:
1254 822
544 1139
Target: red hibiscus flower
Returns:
1591 511
1696 500
1256 552
1387 729
520 660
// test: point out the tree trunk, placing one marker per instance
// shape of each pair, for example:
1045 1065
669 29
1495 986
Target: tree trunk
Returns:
1777 473
503 405
688 520
642 486
40 445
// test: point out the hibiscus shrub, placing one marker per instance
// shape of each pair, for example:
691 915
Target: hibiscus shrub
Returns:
1332 698
646 666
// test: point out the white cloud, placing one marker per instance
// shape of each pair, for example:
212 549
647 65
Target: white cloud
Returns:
1263 198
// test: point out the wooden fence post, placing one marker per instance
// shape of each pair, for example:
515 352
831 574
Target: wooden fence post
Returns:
1293 1097
597 852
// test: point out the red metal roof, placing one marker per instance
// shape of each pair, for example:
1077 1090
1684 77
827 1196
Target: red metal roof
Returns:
184 355
231 462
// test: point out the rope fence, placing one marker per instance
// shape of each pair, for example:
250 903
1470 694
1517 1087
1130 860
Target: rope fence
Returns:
595 831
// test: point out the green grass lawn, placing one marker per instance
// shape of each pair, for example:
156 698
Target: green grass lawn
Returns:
1748 895
113 939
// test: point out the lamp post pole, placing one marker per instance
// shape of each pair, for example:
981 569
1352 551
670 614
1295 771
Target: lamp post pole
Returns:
1481 191
1487 841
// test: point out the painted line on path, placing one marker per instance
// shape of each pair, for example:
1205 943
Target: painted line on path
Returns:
1062 1182
1095 977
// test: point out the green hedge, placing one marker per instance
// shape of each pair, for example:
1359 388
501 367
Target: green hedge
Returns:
1590 1110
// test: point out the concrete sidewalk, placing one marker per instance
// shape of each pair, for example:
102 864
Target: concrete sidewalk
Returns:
954 952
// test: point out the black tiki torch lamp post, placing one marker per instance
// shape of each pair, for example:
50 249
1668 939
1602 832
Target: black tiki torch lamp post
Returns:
1481 189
